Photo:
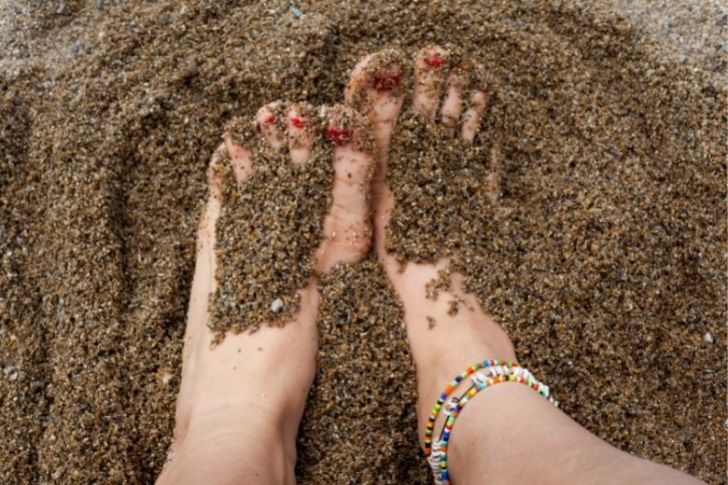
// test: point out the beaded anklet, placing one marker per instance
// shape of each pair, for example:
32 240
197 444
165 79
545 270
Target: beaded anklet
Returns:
487 373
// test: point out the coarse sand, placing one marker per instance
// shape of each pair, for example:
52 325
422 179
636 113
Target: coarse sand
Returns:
603 255
268 230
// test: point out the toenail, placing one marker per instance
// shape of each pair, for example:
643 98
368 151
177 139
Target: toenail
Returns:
435 61
298 122
270 119
338 136
385 82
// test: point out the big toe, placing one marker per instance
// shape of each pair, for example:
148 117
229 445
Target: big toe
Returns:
347 229
376 89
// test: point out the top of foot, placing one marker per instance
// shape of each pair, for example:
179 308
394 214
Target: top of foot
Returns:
293 185
288 199
426 120
431 158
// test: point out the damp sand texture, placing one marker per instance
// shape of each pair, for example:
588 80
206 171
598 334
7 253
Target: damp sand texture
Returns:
604 258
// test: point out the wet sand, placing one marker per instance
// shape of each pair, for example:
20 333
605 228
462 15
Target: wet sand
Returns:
603 259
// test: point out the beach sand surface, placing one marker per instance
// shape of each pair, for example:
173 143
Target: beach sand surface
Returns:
604 258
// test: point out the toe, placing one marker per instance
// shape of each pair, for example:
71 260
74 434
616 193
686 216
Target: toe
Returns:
473 115
299 131
452 106
494 181
376 89
206 229
239 135
431 69
355 91
347 226
214 175
270 123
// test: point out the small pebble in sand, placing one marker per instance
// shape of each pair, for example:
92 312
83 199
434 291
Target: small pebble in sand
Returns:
708 337
10 373
296 11
276 305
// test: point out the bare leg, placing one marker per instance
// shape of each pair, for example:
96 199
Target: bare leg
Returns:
240 403
507 434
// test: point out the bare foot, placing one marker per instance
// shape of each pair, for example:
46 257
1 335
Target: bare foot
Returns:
251 388
510 422
443 341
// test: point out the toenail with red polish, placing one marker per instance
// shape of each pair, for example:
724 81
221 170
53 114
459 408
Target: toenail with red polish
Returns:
270 119
385 82
298 122
338 136
435 61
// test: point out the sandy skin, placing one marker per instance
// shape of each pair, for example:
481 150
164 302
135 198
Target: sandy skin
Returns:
212 434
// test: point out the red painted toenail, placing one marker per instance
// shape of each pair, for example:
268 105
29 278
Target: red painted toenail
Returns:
435 61
385 82
338 136
270 119
298 122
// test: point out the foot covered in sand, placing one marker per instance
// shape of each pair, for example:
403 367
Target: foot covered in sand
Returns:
446 326
251 385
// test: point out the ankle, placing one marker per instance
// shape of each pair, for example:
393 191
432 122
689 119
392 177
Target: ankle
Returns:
218 437
264 411
473 342
228 462
470 341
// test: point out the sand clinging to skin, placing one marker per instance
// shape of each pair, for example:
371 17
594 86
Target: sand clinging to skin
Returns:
603 257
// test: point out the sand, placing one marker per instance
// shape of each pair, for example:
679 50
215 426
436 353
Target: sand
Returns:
269 228
604 257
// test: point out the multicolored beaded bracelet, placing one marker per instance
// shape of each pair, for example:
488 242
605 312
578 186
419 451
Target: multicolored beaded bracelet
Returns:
494 372
450 388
